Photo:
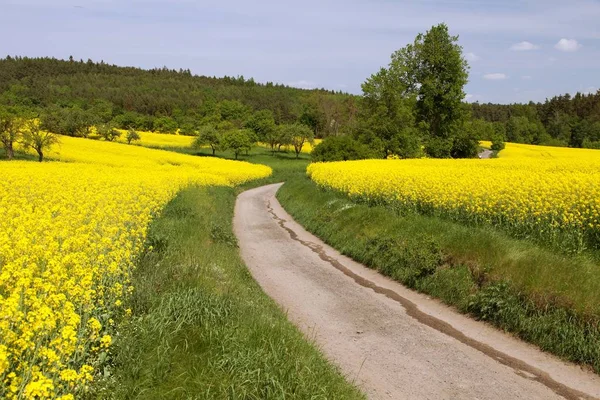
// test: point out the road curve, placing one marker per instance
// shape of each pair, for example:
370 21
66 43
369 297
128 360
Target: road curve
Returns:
392 342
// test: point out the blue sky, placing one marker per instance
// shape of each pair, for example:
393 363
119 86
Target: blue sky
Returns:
518 50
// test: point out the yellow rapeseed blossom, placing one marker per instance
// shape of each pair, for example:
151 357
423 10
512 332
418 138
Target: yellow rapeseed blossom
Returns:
548 192
70 232
158 140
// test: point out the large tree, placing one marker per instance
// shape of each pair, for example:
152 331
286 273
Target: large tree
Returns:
434 69
419 97
386 118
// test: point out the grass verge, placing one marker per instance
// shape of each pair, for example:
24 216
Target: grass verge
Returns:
201 327
547 299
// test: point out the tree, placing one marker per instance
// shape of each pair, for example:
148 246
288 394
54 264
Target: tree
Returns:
283 136
263 125
37 139
298 135
72 121
433 70
237 140
10 131
386 120
108 132
207 135
341 148
132 135
165 125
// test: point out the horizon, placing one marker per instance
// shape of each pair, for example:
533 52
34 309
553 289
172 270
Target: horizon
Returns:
518 51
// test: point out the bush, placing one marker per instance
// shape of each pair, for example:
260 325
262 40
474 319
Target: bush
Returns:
341 148
438 148
497 145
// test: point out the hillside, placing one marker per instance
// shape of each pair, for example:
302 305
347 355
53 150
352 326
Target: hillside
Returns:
162 99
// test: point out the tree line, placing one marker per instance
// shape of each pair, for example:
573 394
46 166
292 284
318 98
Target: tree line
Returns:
413 107
78 94
564 120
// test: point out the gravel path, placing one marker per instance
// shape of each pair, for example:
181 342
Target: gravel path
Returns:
485 153
392 342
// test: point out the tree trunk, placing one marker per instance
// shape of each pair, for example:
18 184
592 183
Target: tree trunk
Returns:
10 153
41 155
213 149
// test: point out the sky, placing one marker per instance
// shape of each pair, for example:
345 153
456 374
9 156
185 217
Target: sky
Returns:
517 50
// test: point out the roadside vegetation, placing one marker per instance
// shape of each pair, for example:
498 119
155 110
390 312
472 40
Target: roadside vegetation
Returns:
202 327
542 296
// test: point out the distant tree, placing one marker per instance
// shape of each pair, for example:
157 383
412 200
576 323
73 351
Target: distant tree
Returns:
262 124
207 136
522 130
234 111
108 132
11 128
132 135
283 136
300 134
497 143
237 140
165 125
313 116
465 144
35 138
341 148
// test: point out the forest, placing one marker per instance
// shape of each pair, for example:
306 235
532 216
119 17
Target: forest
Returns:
71 96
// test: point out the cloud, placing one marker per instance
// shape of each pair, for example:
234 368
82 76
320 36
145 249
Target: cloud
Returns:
524 46
302 84
472 57
495 76
471 98
526 77
567 45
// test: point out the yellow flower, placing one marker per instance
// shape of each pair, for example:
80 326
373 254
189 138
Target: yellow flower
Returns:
71 231
549 192
105 341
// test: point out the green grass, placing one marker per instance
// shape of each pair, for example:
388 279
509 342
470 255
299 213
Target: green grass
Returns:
286 167
545 298
201 326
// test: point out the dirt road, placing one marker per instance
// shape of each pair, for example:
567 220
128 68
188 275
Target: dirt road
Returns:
394 343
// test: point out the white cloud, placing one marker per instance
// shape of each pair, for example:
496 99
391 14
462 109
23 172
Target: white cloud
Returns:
524 46
567 45
495 76
471 98
526 77
472 57
302 84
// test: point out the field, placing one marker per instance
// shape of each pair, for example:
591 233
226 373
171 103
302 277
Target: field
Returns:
548 193
158 140
71 232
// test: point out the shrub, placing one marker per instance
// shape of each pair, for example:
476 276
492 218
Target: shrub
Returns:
341 148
